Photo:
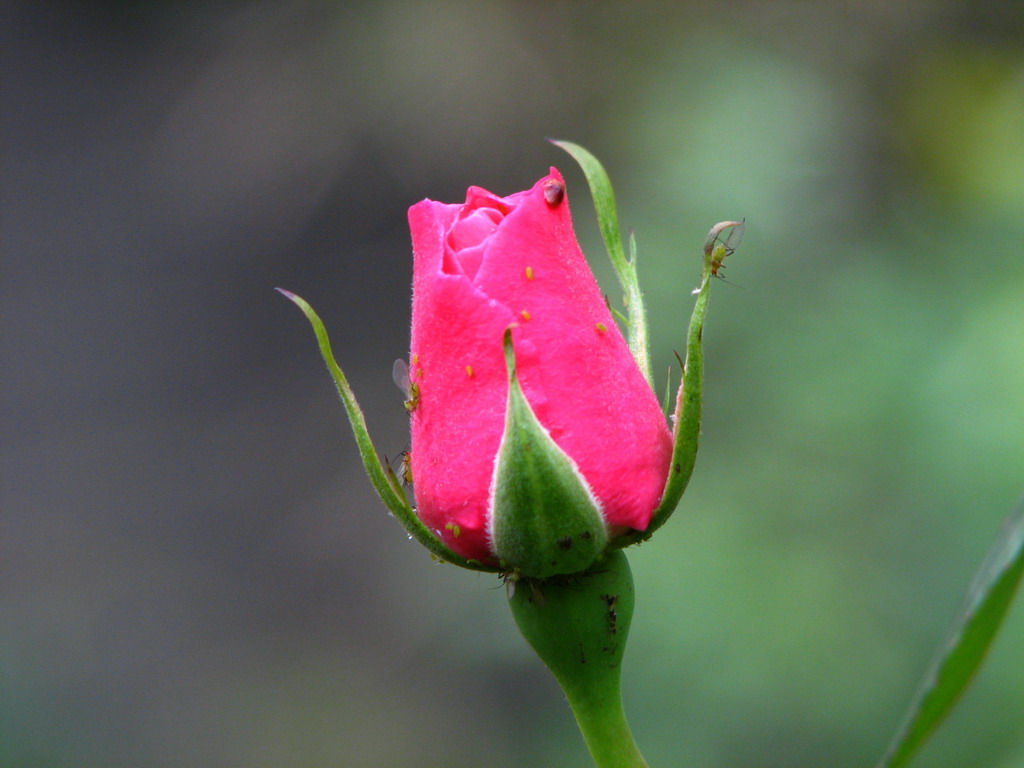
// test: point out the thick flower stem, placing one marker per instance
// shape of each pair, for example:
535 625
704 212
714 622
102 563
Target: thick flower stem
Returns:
578 625
602 722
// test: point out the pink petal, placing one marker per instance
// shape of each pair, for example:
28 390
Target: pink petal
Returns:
575 367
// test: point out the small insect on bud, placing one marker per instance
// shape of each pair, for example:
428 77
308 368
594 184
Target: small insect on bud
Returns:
554 192
406 468
411 390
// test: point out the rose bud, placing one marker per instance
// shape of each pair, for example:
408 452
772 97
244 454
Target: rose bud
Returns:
537 444
532 448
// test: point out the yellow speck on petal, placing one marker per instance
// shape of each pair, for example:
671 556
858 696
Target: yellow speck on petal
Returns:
529 273
469 371
454 528
525 315
415 359
601 328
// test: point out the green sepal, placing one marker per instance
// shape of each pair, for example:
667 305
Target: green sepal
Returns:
579 625
544 519
608 222
689 403
381 476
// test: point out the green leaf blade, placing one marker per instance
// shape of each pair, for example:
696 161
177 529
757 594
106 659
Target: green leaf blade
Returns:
967 643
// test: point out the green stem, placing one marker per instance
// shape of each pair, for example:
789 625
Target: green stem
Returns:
578 625
602 722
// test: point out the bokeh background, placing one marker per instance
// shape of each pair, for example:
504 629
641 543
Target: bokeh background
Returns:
193 568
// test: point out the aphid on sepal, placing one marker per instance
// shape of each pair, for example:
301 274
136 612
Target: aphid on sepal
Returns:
411 390
716 249
403 468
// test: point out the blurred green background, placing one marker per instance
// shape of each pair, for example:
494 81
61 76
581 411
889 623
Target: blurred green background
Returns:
193 568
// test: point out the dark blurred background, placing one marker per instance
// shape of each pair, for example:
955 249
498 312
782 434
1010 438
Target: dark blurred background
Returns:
193 568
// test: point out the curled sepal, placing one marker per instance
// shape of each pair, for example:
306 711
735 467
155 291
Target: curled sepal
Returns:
382 478
544 520
689 398
608 222
578 625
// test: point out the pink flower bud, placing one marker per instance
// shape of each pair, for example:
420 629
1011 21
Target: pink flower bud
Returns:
480 268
